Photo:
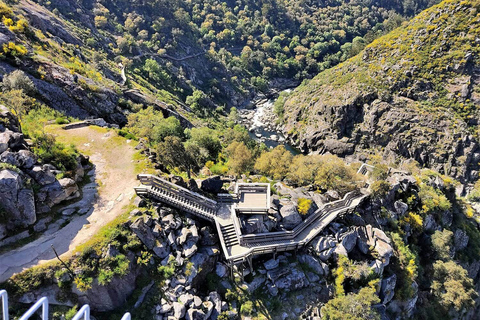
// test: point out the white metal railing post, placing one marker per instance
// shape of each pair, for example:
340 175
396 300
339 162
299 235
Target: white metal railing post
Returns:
42 302
84 311
4 296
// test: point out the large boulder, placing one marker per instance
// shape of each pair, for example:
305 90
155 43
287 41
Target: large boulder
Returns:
110 296
10 139
143 232
17 202
401 208
254 224
290 216
350 240
312 263
42 175
212 185
294 280
460 239
58 191
377 239
195 314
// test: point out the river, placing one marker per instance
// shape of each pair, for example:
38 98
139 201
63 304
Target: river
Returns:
260 123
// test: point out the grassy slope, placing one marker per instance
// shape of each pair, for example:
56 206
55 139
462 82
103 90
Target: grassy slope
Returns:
436 38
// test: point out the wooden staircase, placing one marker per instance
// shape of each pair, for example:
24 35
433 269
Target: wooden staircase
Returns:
176 196
229 235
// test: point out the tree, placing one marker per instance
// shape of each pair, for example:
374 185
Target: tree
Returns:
352 306
197 101
380 188
18 101
151 124
207 139
100 22
239 157
18 80
334 174
442 242
275 163
172 153
452 286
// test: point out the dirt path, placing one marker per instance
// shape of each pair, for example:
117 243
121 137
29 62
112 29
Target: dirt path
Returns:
115 176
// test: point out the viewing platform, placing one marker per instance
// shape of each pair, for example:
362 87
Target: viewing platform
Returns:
248 199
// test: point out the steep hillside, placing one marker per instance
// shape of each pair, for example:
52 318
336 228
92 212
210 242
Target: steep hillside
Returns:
414 92
75 51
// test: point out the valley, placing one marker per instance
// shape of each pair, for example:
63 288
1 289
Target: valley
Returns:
240 159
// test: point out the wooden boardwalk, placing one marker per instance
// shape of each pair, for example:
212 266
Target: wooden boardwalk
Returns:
236 247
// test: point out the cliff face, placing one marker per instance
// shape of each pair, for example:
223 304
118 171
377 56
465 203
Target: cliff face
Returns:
413 93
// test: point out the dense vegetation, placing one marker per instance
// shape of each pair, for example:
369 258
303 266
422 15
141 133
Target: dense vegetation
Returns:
245 43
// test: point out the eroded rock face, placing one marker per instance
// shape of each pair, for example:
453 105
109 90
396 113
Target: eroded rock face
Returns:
111 296
387 289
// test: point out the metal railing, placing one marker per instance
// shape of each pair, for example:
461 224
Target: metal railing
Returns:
4 296
83 313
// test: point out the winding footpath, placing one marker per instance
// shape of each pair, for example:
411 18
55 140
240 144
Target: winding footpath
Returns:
105 198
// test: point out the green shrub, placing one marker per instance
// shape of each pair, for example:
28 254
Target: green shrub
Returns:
247 308
304 205
61 120
71 313
49 151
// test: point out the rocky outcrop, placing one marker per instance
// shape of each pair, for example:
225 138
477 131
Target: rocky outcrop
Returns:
378 99
19 170
18 203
